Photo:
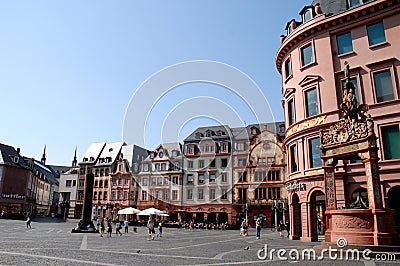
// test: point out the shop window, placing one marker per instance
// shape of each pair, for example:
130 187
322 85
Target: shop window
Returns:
311 98
391 142
383 86
344 43
376 33
315 152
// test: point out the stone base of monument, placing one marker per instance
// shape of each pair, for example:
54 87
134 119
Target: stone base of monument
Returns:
361 227
85 227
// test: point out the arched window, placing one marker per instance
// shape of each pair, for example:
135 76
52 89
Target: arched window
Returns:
307 15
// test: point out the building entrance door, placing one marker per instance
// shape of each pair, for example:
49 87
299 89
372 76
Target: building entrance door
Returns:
394 203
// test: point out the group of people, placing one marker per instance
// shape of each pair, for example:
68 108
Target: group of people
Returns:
102 223
151 224
280 228
191 225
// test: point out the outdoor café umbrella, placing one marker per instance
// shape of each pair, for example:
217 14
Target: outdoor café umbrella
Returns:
129 210
152 211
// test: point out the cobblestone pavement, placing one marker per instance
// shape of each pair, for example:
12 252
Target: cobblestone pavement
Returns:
50 242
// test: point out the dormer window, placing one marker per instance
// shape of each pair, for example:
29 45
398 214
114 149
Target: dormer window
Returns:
152 155
208 133
353 3
160 154
174 153
307 15
91 159
198 135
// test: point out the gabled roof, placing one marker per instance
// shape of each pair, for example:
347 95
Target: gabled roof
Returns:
47 173
110 151
9 156
93 151
245 133
202 130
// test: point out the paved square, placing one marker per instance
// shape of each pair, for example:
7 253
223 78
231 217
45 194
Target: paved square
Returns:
50 242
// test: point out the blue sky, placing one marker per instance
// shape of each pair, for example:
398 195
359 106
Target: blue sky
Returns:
69 69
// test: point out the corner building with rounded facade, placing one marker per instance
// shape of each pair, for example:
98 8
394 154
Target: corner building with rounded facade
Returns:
311 60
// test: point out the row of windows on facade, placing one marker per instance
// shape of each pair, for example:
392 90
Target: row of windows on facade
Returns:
175 153
382 79
159 181
119 195
390 141
209 133
192 149
259 193
161 167
212 164
164 195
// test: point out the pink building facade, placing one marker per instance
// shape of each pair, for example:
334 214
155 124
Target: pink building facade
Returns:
365 34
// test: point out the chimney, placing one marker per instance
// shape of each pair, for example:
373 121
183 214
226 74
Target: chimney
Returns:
19 151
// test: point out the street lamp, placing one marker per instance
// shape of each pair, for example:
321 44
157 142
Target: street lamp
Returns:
109 206
277 208
65 207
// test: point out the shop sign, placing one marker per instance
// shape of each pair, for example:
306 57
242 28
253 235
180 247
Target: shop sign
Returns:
12 196
296 186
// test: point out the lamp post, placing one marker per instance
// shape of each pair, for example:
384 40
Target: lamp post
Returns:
109 206
279 208
65 207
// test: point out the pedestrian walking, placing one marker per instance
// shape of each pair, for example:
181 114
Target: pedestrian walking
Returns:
109 228
98 223
160 229
258 228
28 222
126 225
102 227
150 227
245 227
287 226
281 227
118 228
